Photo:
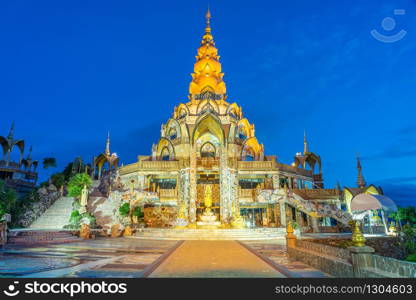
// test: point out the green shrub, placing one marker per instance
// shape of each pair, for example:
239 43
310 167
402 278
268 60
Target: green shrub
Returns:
75 217
8 198
411 257
409 236
91 219
295 225
124 209
44 184
77 182
137 212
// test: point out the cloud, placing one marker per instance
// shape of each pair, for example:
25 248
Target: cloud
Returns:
392 152
404 145
397 180
403 194
401 189
408 130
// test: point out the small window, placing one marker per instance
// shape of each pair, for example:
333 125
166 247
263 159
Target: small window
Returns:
208 150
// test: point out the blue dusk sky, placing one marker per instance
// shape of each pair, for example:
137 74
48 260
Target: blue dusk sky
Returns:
73 70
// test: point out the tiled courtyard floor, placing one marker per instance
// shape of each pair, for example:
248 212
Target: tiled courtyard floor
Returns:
126 257
104 257
276 252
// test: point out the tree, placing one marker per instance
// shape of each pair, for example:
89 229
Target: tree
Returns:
406 215
58 179
49 162
8 198
77 182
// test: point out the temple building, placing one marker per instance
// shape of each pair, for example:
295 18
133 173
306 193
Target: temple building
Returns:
19 174
209 145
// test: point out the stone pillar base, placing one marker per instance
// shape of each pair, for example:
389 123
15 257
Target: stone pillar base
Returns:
361 258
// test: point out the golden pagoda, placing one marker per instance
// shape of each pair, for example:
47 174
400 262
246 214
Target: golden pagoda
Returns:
208 142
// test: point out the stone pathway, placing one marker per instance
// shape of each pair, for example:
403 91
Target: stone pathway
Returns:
214 259
126 257
276 252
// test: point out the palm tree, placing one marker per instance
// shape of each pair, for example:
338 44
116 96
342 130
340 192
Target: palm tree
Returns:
49 162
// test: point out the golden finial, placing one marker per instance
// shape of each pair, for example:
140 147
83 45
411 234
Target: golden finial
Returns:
208 16
358 239
208 21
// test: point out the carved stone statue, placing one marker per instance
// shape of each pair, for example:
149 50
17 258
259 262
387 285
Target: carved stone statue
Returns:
84 196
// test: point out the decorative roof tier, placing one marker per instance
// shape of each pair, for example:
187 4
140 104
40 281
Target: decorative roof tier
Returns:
207 76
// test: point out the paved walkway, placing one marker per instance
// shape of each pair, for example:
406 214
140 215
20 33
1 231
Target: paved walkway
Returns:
210 259
126 257
276 252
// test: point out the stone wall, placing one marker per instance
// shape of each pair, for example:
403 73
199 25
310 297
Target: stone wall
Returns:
352 262
334 261
389 267
47 197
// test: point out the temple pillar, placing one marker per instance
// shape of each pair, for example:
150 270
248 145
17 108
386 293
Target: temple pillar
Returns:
184 189
282 214
276 181
192 187
228 187
277 215
234 189
299 218
289 214
140 182
314 224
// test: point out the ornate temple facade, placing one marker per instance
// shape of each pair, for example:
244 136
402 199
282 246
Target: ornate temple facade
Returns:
21 174
208 142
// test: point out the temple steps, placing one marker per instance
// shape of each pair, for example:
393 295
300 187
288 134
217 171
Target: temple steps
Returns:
211 234
103 210
56 216
29 237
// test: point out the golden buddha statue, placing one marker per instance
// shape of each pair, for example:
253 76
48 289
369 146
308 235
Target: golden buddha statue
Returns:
208 197
181 220
208 218
237 220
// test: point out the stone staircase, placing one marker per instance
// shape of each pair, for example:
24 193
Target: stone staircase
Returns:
211 234
56 216
103 210
25 237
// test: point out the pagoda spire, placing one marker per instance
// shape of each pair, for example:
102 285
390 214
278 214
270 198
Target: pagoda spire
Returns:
107 146
208 20
207 75
11 132
360 178
29 156
305 143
